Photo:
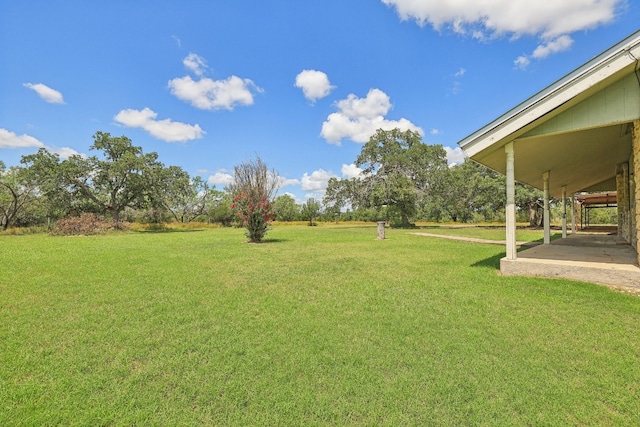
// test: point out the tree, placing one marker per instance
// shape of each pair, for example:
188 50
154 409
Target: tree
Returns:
472 192
185 198
220 210
285 208
343 194
399 169
531 200
121 178
17 190
54 192
253 188
310 210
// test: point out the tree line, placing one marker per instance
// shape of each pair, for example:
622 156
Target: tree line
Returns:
403 180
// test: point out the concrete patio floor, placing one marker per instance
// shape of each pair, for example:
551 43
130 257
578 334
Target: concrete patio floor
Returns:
589 257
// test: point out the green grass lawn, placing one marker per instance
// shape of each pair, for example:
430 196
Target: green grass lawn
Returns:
319 326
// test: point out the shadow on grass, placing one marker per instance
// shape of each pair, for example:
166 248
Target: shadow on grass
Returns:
405 227
267 241
460 225
491 262
171 230
274 241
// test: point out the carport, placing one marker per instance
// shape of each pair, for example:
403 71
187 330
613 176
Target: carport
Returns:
589 201
581 134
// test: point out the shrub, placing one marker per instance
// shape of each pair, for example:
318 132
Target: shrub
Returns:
255 217
254 187
85 224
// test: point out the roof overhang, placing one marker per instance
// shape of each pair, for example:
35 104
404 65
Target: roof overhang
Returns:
598 199
578 128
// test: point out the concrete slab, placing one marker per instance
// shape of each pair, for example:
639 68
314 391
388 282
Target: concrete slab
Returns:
596 258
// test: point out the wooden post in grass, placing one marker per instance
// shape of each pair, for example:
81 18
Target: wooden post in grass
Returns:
381 230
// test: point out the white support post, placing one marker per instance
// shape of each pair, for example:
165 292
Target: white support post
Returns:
564 211
511 204
547 222
573 214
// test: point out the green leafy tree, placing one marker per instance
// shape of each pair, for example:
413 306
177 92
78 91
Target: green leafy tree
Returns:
530 200
399 169
121 178
310 210
220 210
253 188
55 195
17 190
342 195
285 208
185 198
472 192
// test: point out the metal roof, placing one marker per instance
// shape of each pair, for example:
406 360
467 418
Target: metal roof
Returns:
590 199
579 128
603 63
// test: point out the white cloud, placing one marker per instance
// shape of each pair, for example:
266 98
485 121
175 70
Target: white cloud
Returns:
434 131
209 94
556 45
317 181
454 155
376 104
165 130
9 139
293 196
48 94
456 88
548 47
550 21
64 152
221 177
359 118
517 17
195 63
314 84
350 171
286 182
522 62
317 196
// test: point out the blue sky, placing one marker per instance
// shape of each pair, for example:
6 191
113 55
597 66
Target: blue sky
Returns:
209 84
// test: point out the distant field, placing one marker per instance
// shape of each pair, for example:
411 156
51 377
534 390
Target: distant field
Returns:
318 326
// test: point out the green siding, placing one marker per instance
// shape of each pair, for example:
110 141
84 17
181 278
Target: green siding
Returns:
617 103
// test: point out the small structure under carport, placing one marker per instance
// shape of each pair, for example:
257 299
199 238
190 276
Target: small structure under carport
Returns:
581 134
590 201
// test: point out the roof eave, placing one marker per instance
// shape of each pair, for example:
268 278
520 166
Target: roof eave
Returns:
600 68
